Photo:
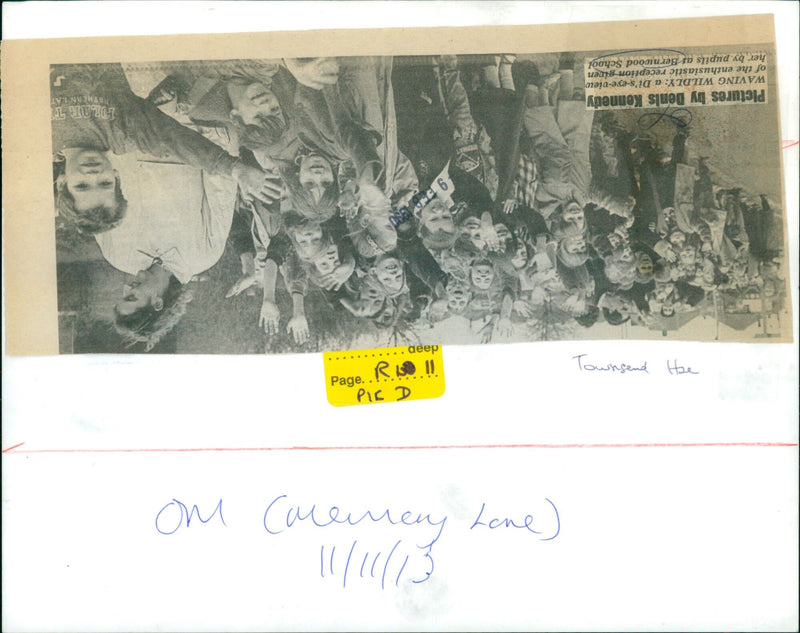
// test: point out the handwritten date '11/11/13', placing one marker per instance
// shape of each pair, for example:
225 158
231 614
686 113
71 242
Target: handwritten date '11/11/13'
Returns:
389 546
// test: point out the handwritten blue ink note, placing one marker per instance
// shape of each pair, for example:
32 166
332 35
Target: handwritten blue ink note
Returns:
674 367
175 515
374 553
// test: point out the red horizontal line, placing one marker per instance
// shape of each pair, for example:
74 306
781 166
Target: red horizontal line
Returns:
401 448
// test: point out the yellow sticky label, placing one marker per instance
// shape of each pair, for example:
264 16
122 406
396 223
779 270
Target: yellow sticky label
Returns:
391 374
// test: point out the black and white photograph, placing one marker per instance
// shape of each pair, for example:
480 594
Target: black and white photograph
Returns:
247 206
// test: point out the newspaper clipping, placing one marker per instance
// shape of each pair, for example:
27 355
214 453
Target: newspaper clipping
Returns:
331 203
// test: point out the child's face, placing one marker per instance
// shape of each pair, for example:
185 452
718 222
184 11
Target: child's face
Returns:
575 244
727 200
385 316
615 303
677 239
688 256
548 279
381 231
708 273
663 291
644 264
739 267
574 213
624 254
328 261
371 300
308 240
503 235
520 257
482 276
471 229
253 102
315 175
457 297
91 179
615 240
389 272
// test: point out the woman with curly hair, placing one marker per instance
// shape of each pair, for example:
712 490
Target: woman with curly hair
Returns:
153 303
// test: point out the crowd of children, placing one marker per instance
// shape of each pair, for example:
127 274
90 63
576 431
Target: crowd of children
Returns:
396 194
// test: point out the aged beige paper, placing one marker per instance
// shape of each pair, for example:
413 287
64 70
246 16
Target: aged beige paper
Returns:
578 182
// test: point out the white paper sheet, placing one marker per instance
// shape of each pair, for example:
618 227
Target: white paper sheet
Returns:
656 501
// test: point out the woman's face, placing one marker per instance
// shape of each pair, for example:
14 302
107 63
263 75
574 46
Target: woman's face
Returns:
139 291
